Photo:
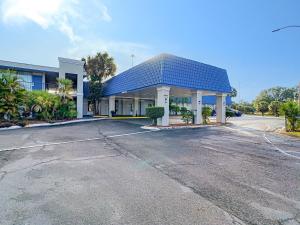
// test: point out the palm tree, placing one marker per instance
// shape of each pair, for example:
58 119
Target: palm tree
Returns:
98 67
65 87
12 94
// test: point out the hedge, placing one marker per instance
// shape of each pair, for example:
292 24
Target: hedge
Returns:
154 113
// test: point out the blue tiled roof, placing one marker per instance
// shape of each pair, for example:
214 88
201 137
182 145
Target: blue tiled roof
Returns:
169 70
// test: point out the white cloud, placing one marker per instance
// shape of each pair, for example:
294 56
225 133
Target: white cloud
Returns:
73 18
49 13
104 14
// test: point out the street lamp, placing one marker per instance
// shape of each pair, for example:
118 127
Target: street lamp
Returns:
286 27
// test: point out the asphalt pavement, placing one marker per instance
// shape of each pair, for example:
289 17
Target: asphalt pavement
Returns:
114 172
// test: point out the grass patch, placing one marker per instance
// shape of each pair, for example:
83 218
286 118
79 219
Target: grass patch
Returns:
291 133
294 134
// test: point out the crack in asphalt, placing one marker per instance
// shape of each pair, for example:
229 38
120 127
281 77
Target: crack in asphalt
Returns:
195 191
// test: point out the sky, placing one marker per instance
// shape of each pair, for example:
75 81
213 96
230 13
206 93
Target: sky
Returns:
233 34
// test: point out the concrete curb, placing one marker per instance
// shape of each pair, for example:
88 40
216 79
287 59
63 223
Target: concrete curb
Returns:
176 127
52 124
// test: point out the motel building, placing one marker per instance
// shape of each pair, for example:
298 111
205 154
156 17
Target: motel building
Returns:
151 83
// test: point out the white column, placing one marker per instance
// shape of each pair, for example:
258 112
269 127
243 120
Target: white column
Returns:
221 108
163 101
111 104
74 67
136 107
197 106
79 96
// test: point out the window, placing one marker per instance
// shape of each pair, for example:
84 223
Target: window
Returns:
25 79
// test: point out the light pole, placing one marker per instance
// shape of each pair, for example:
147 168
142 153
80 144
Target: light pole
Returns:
283 28
132 56
286 27
299 94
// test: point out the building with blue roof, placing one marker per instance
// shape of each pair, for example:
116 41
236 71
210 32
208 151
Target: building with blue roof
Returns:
153 82
162 77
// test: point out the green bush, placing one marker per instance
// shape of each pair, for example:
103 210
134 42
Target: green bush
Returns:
183 110
154 113
12 95
175 109
262 106
274 107
206 112
187 116
43 105
290 110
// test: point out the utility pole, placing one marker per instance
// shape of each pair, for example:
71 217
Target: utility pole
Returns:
132 56
286 27
299 94
283 28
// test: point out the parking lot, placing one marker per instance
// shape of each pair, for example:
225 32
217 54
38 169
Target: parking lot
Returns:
114 172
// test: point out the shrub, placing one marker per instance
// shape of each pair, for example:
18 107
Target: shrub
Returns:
154 113
274 107
183 110
262 107
43 104
290 110
175 109
187 116
12 95
206 112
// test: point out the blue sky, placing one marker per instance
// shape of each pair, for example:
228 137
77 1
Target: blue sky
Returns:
233 34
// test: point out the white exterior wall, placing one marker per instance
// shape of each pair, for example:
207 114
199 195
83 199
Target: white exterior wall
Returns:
136 107
74 67
221 108
111 105
163 95
197 106
127 107
104 107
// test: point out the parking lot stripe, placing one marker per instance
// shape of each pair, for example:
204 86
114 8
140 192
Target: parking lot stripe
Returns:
278 149
73 141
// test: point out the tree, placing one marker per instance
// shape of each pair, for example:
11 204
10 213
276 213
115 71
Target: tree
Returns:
98 68
65 87
262 106
290 110
67 108
206 112
281 94
43 104
187 116
12 94
274 107
233 93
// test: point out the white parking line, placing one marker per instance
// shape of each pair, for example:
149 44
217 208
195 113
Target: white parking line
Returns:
74 141
278 149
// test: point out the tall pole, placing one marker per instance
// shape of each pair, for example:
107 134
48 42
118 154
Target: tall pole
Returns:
299 94
132 56
287 27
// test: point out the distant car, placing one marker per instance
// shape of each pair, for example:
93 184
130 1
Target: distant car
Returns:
237 113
